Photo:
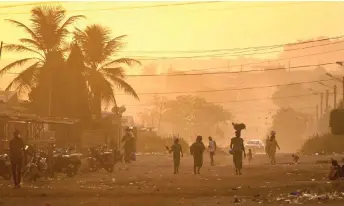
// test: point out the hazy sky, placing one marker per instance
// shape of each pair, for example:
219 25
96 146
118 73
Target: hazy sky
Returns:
198 27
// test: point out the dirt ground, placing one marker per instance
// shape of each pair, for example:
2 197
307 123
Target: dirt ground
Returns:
149 182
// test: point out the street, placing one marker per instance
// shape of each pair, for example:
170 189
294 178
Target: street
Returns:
150 182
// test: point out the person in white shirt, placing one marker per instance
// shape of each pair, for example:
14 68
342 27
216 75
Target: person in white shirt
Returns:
212 150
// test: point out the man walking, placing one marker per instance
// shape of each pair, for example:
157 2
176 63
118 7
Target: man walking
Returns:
17 157
212 150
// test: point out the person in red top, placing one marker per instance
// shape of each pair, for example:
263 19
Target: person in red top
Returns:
17 157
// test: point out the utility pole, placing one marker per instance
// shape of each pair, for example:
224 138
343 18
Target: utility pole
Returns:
289 66
317 112
321 103
334 97
326 103
343 93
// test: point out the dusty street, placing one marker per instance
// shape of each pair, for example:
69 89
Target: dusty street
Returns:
149 181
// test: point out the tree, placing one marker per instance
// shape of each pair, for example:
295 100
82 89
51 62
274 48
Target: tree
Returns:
47 42
102 69
293 90
190 115
290 127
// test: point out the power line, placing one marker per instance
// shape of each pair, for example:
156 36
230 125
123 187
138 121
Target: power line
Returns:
240 101
257 48
241 53
227 54
233 89
128 7
37 3
226 72
219 72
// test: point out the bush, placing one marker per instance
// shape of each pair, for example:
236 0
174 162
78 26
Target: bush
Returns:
324 144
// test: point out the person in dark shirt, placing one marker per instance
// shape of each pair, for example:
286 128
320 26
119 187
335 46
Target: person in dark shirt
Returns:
196 151
177 151
129 144
17 157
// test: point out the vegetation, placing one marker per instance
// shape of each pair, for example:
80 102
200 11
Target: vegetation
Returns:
324 144
187 115
291 127
85 67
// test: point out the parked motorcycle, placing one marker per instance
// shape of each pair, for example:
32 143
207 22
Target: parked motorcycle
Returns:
102 158
35 165
5 167
66 162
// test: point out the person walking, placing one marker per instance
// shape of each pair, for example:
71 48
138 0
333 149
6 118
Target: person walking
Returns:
238 149
273 145
177 152
212 149
196 151
17 156
128 146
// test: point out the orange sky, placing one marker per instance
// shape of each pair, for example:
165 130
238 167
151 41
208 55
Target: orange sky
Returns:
194 27
200 27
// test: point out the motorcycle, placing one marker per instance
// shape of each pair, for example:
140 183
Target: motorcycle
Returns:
66 162
101 158
35 165
5 167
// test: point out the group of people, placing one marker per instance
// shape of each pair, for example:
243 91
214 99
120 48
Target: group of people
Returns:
197 149
237 149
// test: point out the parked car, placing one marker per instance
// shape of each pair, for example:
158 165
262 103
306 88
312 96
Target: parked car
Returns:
256 145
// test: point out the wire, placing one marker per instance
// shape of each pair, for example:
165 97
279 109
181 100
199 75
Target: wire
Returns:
231 54
255 48
233 89
240 101
225 72
37 3
129 7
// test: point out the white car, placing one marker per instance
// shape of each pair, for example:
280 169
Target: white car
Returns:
256 145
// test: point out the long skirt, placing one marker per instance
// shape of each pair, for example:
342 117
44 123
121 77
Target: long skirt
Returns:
198 160
237 159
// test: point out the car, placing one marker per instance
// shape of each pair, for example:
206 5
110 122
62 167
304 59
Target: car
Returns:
256 145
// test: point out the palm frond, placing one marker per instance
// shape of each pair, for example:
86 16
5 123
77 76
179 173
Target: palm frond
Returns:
110 73
125 87
16 64
31 43
127 61
20 48
26 79
71 20
27 29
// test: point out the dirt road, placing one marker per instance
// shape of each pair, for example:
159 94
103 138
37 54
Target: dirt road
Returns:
149 182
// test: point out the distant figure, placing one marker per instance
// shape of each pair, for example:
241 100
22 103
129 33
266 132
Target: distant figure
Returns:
296 158
177 152
336 171
129 142
272 147
196 151
212 149
267 141
237 147
249 156
17 157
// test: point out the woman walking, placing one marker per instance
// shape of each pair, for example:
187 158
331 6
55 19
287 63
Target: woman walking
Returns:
196 151
272 147
237 147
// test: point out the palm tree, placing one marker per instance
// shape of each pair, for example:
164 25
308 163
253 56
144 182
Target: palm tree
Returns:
47 42
103 71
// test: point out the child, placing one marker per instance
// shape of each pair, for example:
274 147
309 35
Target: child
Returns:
249 156
335 170
177 152
196 151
